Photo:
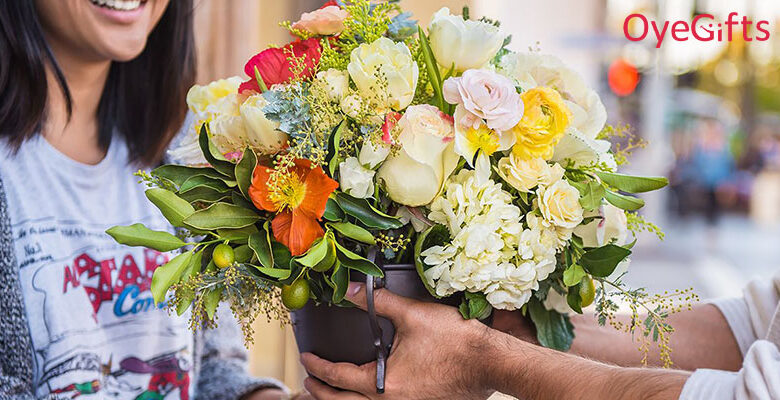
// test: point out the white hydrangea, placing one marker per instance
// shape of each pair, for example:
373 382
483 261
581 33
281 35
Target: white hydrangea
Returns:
490 251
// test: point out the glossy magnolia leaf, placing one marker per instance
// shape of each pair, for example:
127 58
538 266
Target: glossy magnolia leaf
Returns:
172 207
334 144
340 279
177 174
204 194
277 273
260 242
353 232
168 274
574 299
591 194
140 235
573 275
221 215
332 211
602 261
553 329
475 306
366 213
244 171
430 237
213 156
203 181
633 184
353 261
624 202
211 301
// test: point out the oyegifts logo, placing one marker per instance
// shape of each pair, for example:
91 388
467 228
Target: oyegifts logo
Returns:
703 28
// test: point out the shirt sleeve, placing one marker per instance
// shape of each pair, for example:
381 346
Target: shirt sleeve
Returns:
223 372
759 378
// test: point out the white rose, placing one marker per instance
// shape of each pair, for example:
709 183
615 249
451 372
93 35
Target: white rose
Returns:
524 175
355 179
335 82
611 227
373 154
466 44
263 134
559 204
416 173
384 65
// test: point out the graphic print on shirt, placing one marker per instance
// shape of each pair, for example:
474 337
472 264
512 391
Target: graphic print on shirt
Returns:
96 331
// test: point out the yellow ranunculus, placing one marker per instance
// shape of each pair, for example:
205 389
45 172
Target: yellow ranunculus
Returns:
525 175
201 98
544 122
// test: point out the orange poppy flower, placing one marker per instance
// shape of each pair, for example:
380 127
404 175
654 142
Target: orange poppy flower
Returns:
298 197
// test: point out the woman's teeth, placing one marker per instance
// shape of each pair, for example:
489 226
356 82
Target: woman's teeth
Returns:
123 5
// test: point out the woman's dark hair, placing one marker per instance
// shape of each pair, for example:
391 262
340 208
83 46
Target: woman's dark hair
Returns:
143 100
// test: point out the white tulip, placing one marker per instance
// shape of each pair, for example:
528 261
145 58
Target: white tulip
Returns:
384 70
262 134
466 44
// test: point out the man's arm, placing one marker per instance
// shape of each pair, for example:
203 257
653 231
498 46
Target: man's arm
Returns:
438 355
606 344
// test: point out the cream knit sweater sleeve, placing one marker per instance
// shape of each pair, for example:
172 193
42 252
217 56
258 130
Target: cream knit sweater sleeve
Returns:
757 330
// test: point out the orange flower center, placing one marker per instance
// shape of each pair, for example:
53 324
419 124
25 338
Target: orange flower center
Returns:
289 192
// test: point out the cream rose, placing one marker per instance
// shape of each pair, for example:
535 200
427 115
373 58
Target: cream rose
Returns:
355 179
335 82
524 175
262 134
325 21
466 44
611 227
487 95
559 204
415 174
384 70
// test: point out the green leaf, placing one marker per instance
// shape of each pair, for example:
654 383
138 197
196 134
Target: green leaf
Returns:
475 306
573 275
334 144
591 193
316 253
432 67
277 273
239 200
203 181
633 184
353 232
140 235
553 329
332 211
244 171
624 202
366 213
602 261
573 298
260 242
177 174
188 296
221 215
244 254
237 235
168 274
426 239
213 156
353 261
260 82
172 207
204 194
211 301
340 279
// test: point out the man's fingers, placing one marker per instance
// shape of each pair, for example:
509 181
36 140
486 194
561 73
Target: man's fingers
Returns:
341 375
386 303
321 391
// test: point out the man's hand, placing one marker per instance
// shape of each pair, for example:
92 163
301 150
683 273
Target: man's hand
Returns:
436 355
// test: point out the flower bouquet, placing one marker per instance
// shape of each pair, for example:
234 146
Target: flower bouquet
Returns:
370 143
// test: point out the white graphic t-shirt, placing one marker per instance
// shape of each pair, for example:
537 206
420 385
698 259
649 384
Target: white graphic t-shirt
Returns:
96 332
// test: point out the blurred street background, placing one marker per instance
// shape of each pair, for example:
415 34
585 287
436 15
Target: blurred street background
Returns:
710 113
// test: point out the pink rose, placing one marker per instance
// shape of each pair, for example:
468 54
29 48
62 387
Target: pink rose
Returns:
486 95
325 21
